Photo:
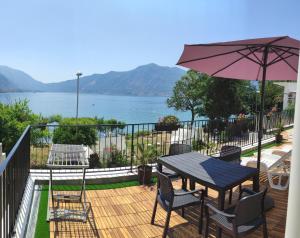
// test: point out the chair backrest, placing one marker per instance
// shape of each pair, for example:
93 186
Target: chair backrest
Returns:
165 188
250 208
230 153
176 149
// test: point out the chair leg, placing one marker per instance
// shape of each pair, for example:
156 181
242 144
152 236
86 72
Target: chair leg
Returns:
265 229
206 228
184 183
240 188
154 212
167 224
230 196
201 217
182 211
206 191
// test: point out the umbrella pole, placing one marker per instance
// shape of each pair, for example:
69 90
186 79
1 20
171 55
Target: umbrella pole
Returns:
260 122
262 106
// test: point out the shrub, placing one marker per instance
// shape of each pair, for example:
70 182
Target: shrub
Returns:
208 147
69 133
40 136
238 127
138 134
14 118
117 158
55 118
167 123
114 124
94 161
199 145
214 125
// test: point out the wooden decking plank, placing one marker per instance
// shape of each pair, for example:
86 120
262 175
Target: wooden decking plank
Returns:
127 212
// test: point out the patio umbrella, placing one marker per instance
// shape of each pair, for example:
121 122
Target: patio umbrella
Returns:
262 59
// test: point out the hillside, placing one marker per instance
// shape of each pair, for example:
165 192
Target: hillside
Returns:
146 80
17 80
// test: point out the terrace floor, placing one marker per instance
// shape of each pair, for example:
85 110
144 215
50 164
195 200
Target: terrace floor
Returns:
126 212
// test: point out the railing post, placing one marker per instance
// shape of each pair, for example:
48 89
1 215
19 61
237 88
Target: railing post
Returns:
132 147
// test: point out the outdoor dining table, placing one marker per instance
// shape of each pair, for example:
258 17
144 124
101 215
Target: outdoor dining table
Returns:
210 172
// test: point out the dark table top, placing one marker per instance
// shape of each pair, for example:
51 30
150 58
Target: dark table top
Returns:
208 171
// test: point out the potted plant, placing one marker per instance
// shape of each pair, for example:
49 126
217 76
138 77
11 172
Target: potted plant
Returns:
167 123
278 136
145 155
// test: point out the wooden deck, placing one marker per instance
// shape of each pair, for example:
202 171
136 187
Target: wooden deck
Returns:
127 212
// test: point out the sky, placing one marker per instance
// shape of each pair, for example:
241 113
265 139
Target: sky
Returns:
52 39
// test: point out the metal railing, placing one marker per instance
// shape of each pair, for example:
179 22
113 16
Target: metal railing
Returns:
14 171
116 145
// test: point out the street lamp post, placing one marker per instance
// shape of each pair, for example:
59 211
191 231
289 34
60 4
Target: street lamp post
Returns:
78 74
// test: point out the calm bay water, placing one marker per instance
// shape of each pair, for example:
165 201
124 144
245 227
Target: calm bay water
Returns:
125 108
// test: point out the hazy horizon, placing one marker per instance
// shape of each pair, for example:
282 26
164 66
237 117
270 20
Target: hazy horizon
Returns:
51 39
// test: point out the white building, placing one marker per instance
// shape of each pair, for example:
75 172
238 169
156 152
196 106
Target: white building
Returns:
289 93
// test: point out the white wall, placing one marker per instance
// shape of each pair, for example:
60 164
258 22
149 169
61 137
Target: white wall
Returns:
293 213
289 87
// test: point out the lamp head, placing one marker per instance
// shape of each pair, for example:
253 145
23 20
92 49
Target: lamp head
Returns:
78 74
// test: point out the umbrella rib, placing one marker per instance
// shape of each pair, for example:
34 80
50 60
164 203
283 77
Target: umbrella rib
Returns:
227 66
212 56
280 48
286 62
288 47
253 52
258 72
249 57
278 59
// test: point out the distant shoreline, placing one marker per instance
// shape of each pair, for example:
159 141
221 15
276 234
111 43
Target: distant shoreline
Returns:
126 108
88 93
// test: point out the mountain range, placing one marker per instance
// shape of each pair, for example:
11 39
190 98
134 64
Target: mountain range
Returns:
145 80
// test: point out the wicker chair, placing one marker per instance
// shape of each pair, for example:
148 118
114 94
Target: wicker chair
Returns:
171 200
176 149
243 218
231 154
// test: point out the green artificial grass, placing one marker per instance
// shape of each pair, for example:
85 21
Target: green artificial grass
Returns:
42 226
42 229
252 151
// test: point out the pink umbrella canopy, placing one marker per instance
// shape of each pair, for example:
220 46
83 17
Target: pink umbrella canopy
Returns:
244 59
274 58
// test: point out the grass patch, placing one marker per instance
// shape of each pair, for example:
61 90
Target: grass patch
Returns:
93 186
42 226
252 151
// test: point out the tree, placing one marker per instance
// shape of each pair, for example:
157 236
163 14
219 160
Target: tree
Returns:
273 95
226 97
69 133
14 118
188 92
